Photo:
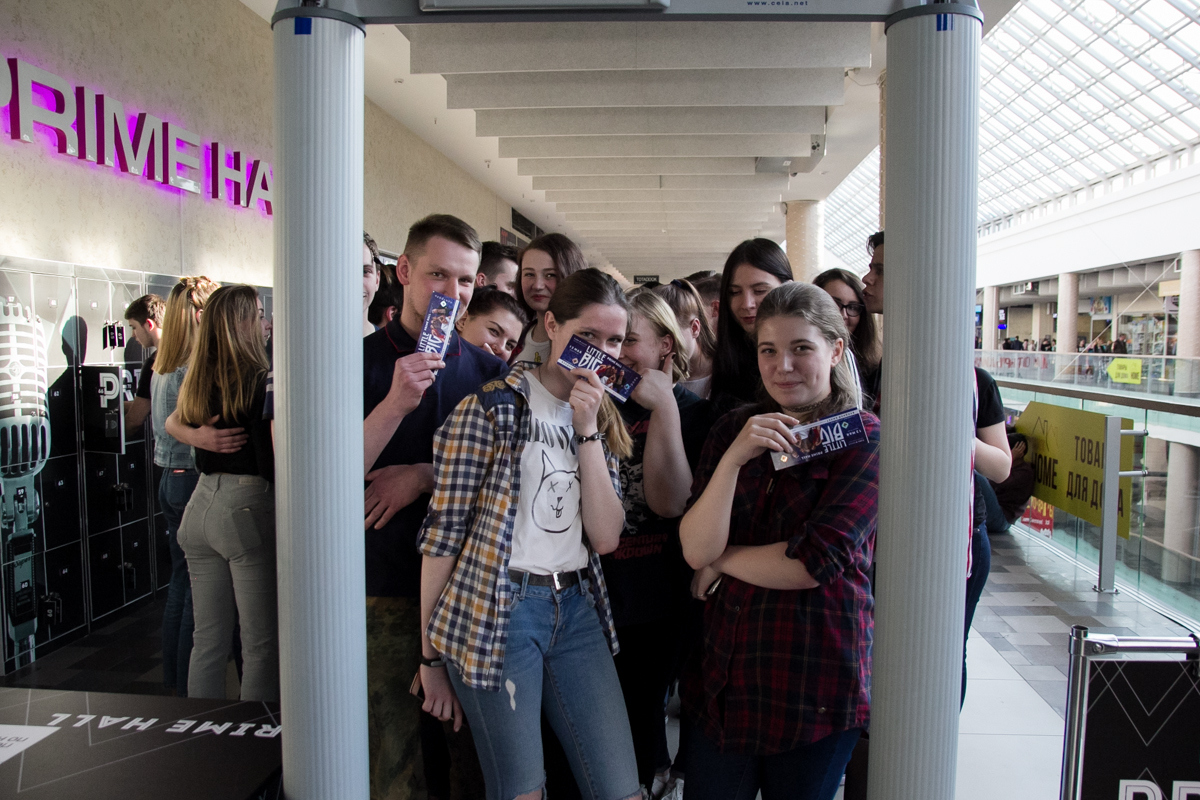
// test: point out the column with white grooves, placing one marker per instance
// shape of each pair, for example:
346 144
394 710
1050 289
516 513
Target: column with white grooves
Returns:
318 403
925 482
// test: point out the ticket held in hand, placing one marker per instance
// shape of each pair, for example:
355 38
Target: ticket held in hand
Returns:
618 379
823 437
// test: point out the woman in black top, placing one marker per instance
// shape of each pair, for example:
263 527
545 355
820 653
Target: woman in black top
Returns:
753 269
228 528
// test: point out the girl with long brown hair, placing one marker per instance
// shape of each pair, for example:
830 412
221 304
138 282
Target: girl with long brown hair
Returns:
181 319
228 529
516 615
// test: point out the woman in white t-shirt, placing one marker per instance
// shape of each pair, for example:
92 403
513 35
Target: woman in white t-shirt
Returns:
516 615
545 263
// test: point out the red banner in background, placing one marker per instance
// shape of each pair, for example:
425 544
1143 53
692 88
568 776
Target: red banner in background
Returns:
1039 517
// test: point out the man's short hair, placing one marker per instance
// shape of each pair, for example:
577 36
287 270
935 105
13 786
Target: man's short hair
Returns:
701 274
491 256
390 293
873 241
374 248
147 307
445 226
709 288
489 299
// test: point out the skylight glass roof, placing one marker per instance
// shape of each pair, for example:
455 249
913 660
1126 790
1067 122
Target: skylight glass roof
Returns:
1073 91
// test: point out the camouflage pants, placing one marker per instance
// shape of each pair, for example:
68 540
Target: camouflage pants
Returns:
395 721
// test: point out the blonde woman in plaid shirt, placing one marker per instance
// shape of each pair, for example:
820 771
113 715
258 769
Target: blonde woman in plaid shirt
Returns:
516 614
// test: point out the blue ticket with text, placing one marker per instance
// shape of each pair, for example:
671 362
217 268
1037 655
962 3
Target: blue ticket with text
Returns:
823 437
438 325
618 379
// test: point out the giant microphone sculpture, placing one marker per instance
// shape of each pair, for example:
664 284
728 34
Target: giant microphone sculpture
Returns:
24 447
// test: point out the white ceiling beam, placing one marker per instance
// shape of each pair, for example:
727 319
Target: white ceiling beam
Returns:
649 120
626 182
769 144
654 225
450 48
680 87
635 166
667 216
667 207
755 196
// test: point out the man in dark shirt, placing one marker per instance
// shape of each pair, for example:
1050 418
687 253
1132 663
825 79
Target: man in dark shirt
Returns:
406 396
145 316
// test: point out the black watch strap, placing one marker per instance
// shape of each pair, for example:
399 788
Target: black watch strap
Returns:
433 662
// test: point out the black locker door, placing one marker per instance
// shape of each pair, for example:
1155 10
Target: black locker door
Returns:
136 549
59 488
65 590
101 478
107 571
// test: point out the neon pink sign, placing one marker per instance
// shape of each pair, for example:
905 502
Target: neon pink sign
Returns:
95 127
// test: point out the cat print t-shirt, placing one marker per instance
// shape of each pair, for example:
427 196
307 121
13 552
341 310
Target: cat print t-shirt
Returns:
548 534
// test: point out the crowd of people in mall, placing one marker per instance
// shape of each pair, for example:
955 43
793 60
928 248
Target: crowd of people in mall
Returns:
545 564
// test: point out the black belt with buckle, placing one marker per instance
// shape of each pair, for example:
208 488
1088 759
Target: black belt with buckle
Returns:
559 580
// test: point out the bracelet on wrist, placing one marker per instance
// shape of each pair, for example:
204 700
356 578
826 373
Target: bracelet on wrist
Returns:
598 436
433 662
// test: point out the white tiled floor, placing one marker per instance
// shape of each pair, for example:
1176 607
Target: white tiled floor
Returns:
1009 739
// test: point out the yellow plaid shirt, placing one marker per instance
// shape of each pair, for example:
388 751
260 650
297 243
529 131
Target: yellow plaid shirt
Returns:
477 462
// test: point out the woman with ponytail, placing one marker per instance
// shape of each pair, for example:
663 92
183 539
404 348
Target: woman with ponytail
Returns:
515 612
181 320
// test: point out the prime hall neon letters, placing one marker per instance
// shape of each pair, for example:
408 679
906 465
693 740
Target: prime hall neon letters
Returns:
92 126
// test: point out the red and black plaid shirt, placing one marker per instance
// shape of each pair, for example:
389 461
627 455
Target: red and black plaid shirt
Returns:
782 669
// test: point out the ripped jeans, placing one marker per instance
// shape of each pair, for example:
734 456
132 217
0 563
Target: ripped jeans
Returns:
556 659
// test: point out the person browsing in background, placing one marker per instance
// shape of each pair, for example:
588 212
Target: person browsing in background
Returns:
372 270
514 607
754 268
708 284
228 527
780 692
498 268
699 342
493 321
181 323
647 578
545 262
1006 499
406 396
847 291
145 317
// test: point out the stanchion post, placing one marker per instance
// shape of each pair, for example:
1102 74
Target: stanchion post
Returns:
1077 691
1110 499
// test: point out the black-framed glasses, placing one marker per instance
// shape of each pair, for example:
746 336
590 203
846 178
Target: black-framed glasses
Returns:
851 309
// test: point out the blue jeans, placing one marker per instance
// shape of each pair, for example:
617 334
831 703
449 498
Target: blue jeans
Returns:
556 659
811 772
996 521
981 565
174 491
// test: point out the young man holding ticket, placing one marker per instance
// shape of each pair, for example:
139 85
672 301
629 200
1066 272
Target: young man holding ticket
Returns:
408 391
783 556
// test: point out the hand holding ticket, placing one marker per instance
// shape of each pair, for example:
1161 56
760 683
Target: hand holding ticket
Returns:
617 378
826 435
438 325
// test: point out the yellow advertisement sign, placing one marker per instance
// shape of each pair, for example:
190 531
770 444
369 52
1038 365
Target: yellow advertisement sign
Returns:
1068 459
1125 370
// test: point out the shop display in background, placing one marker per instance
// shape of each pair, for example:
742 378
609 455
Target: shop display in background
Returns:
82 536
1039 517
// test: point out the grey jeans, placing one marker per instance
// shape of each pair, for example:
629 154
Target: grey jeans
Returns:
228 536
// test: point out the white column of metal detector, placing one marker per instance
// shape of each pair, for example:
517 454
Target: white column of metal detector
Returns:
318 391
925 483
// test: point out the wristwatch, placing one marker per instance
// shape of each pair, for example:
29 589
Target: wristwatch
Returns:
595 437
433 662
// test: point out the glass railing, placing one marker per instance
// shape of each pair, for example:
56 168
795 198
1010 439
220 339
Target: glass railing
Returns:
1144 375
1163 565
